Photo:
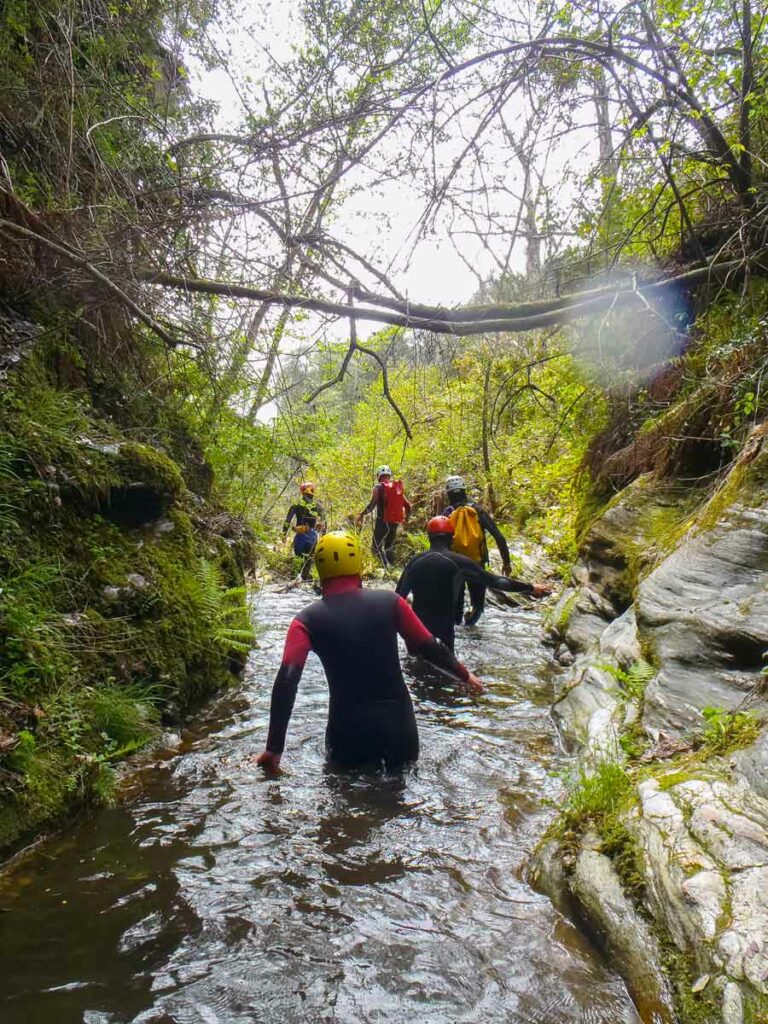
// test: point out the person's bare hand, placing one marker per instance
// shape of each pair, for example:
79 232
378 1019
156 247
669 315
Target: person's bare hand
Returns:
473 684
267 760
540 590
506 569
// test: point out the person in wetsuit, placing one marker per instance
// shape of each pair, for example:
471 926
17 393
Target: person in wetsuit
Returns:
456 491
384 528
308 514
436 579
354 633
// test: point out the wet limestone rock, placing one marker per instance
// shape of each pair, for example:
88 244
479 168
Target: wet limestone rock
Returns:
704 612
705 844
622 932
612 551
590 712
700 826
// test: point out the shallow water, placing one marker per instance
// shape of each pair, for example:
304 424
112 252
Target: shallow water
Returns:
213 895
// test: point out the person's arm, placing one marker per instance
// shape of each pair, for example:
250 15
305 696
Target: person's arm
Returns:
288 518
407 508
419 640
297 646
320 523
474 573
488 524
375 498
404 587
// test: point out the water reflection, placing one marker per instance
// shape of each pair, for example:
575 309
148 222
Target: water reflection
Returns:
353 812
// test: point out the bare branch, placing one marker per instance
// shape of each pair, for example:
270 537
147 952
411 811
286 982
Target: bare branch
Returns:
95 273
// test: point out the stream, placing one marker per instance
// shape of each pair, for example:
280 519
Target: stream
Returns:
213 895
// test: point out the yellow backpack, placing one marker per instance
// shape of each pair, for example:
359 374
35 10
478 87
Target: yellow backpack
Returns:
467 532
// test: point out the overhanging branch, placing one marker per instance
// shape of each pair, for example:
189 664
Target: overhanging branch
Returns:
470 320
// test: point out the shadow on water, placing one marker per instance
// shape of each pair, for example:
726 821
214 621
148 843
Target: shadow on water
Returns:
214 895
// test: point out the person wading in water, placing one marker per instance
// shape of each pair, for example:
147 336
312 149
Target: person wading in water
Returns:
392 509
309 522
354 633
436 579
470 523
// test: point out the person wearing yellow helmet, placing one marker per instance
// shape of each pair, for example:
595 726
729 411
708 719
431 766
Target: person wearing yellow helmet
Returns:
354 633
309 515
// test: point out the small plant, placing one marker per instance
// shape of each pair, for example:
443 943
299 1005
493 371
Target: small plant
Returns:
224 609
728 730
598 801
597 796
634 680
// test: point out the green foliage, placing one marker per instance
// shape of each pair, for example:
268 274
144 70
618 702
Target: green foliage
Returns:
598 800
459 407
222 608
634 680
597 796
727 731
89 660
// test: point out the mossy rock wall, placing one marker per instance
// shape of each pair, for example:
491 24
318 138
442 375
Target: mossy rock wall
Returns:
121 597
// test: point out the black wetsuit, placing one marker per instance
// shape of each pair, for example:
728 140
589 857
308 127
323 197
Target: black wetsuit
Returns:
437 577
476 588
354 633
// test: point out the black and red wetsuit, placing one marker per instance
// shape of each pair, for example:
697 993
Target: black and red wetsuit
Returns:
354 633
437 577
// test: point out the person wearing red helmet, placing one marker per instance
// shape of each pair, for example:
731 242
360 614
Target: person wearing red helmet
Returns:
436 577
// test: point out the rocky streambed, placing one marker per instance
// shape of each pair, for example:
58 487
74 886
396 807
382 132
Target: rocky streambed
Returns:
662 851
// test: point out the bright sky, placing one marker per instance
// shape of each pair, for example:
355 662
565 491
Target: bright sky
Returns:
435 272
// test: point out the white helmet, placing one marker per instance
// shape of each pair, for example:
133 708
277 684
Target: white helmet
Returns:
455 483
383 471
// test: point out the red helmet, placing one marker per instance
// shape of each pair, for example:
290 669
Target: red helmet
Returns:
307 485
439 525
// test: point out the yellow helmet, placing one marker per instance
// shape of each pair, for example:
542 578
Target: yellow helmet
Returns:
338 554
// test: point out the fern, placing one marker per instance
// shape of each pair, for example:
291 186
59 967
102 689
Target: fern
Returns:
224 609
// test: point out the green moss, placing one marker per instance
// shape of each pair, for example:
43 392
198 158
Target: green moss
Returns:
633 740
139 463
682 970
755 1007
103 627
